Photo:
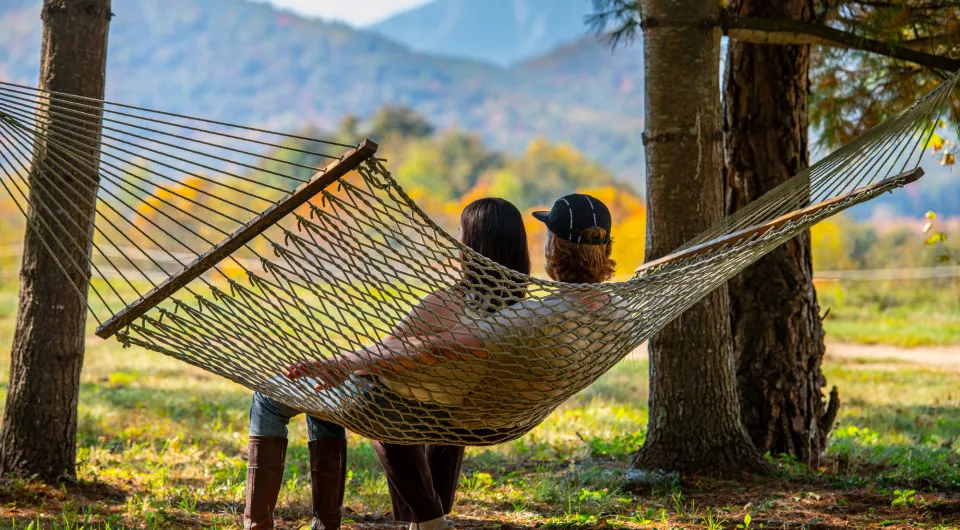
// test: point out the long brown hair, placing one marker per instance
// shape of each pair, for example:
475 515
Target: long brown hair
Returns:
494 228
578 263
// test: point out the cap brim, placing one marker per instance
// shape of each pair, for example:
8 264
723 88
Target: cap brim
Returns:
541 216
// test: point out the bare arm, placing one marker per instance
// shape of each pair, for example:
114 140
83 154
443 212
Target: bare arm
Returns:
398 354
400 349
411 339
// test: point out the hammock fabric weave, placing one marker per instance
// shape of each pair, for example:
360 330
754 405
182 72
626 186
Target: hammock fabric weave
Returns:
224 247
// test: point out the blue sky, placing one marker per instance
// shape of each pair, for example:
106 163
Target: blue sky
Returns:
353 12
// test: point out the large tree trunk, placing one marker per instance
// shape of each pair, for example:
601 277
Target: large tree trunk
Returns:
694 421
778 336
40 419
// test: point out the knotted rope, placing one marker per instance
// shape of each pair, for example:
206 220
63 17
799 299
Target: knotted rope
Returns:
217 244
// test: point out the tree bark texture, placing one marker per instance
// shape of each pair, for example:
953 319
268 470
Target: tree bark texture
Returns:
39 431
694 423
778 336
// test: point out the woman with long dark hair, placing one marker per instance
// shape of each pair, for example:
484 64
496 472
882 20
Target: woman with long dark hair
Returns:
422 478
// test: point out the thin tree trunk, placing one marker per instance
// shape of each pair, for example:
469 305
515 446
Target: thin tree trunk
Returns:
694 421
778 336
40 419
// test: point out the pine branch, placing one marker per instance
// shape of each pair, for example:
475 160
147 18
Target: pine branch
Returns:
785 31
615 21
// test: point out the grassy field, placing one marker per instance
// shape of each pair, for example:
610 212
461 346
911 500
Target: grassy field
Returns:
161 445
907 314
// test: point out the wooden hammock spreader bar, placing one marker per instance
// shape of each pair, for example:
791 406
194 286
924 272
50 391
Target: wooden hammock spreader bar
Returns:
209 259
895 181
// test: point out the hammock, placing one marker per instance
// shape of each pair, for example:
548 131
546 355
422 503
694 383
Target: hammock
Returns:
223 246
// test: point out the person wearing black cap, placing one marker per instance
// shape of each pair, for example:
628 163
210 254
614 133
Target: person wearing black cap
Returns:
579 243
572 217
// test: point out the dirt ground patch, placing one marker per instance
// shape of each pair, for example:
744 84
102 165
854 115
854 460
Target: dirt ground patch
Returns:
771 503
878 356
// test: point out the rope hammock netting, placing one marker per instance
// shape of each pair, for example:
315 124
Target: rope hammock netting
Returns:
223 246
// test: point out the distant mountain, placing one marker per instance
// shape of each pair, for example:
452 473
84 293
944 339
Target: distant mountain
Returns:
502 32
937 191
566 85
250 63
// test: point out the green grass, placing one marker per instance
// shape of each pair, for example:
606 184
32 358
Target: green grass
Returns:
167 444
162 445
906 314
897 426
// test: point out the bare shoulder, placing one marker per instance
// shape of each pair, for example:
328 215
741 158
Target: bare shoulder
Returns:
437 311
450 297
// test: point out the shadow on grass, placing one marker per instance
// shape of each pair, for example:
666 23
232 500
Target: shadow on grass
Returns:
18 491
126 410
915 445
921 423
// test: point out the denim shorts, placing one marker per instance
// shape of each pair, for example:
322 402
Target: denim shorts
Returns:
269 417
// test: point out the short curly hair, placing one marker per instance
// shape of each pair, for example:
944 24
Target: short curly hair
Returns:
578 263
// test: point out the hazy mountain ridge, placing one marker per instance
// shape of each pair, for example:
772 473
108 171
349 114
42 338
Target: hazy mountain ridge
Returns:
253 64
937 191
503 32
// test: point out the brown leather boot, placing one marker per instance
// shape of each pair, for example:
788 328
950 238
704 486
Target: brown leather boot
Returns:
328 477
264 478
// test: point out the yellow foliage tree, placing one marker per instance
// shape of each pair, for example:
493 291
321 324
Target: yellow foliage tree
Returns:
536 237
831 244
12 220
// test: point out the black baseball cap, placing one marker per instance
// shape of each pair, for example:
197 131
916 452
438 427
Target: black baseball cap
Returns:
573 213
